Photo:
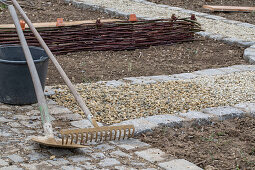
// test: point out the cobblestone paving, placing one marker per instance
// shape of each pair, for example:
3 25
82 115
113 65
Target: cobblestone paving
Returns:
19 123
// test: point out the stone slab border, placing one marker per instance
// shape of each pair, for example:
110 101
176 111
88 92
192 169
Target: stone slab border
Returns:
249 53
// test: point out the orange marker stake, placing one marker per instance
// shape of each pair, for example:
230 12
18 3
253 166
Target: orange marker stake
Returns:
60 22
22 24
132 17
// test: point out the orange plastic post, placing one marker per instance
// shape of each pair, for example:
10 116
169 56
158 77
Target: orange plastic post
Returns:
60 22
132 17
22 24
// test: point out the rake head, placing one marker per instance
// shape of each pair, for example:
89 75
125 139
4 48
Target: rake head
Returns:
106 133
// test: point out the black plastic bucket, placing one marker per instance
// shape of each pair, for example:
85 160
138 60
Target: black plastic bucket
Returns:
16 86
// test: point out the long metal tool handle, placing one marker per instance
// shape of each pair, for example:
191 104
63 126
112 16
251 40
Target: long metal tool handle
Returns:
35 78
55 62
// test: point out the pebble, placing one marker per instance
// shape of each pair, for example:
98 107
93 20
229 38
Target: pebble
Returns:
129 101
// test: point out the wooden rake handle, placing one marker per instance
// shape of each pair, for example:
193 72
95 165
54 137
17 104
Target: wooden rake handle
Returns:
35 78
59 68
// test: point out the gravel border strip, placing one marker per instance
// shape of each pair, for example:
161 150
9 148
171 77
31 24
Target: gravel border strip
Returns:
249 53
204 116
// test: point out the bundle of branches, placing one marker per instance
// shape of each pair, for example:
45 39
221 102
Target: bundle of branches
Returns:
124 35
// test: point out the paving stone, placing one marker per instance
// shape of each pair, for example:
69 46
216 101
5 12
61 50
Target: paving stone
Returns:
214 17
246 43
85 151
217 37
84 123
137 164
247 107
104 147
33 112
59 161
185 76
149 169
59 152
249 52
119 153
87 165
195 115
130 144
29 166
36 156
14 124
5 134
79 158
208 72
139 80
123 168
21 117
34 124
251 59
141 125
59 110
229 70
109 162
179 164
4 120
114 83
70 168
3 163
151 155
231 40
224 112
71 117
163 78
15 158
98 155
13 167
165 120
5 107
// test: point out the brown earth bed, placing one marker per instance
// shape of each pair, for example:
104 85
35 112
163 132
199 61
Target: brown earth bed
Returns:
50 10
92 66
196 5
222 145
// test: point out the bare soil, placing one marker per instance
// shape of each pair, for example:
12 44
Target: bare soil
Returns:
92 66
221 145
196 5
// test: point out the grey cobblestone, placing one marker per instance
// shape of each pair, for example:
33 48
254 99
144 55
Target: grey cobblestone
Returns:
109 162
152 155
3 163
224 112
179 164
79 158
119 153
58 161
104 147
130 144
98 155
209 72
13 167
16 158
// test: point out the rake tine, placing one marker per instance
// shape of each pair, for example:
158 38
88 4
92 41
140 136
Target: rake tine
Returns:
101 135
86 140
124 133
81 138
63 139
67 137
72 137
106 134
110 135
115 134
92 135
77 137
96 136
119 134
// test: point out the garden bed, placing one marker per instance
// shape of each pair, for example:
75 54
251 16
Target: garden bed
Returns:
222 145
196 5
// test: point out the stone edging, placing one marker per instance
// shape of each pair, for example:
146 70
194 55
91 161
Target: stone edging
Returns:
249 53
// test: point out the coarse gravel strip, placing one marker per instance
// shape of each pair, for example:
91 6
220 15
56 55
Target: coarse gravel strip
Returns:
113 104
210 23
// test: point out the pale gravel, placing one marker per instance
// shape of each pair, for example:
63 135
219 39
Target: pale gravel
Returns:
154 10
114 104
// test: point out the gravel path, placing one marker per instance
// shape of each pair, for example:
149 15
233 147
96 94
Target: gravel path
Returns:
111 104
151 10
